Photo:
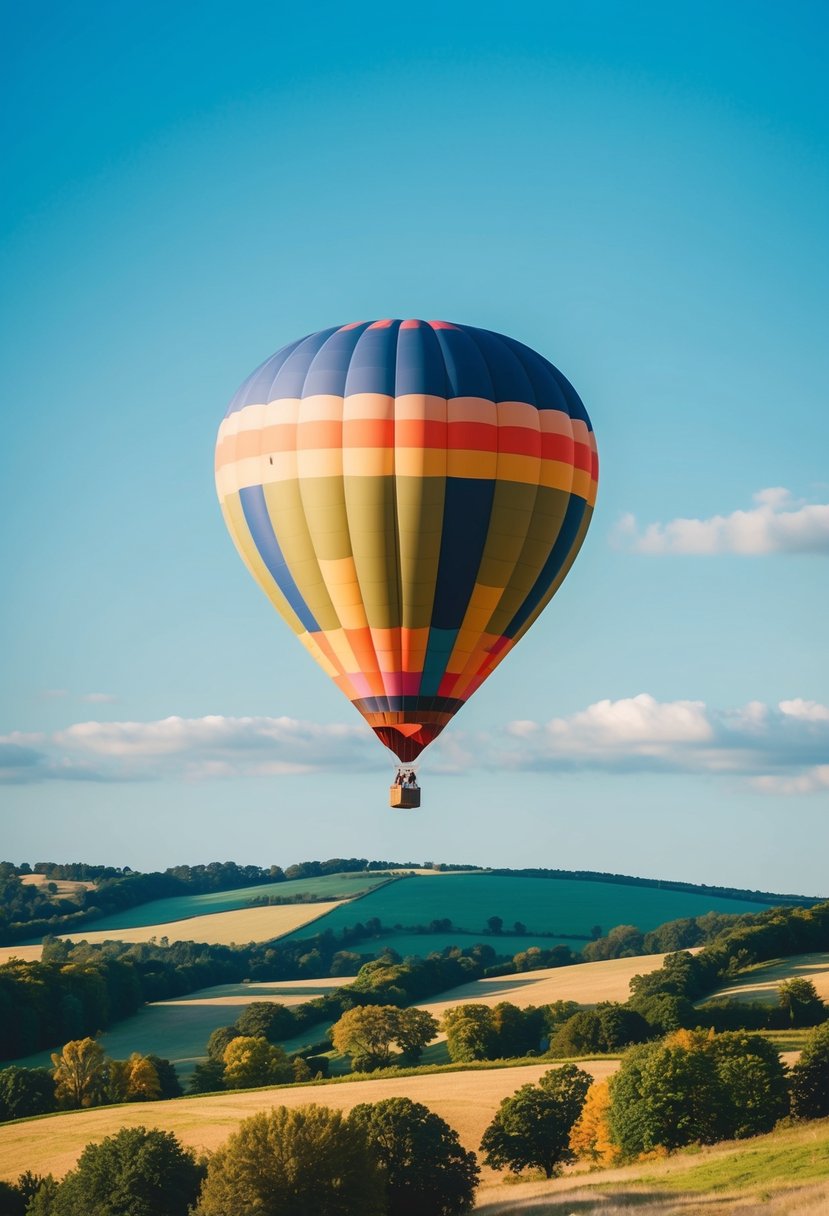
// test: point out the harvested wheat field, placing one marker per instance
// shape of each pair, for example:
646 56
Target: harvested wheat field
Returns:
587 983
65 886
466 1100
760 983
219 928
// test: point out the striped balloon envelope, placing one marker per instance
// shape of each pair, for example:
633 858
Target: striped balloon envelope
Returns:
409 495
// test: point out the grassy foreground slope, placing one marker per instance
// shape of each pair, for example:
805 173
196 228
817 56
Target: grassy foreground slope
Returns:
467 1100
785 1173
552 906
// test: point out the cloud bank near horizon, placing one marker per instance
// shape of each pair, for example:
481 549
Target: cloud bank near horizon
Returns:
778 749
777 523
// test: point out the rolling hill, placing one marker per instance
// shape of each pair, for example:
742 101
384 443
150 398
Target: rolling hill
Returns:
553 911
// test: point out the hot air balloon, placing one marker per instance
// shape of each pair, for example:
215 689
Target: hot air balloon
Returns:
410 496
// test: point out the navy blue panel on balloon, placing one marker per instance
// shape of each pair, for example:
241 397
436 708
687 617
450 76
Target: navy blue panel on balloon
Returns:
372 365
256 515
558 555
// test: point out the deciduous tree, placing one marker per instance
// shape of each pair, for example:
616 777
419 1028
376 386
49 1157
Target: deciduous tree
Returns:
306 1160
136 1172
415 1029
366 1033
800 1003
427 1170
810 1077
25 1091
80 1073
590 1136
470 1034
532 1128
250 1061
266 1019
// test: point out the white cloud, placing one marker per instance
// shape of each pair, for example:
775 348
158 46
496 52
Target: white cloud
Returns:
779 748
99 698
813 781
807 711
190 748
777 523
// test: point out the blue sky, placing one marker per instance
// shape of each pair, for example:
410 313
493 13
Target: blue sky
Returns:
640 192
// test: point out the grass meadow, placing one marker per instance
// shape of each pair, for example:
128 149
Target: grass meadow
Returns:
550 906
785 1173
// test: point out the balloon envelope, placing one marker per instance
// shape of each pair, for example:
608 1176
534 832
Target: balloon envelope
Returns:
409 495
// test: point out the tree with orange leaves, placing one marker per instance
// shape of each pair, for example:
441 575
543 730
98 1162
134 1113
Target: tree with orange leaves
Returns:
590 1135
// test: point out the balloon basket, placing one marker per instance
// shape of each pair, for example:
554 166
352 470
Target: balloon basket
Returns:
407 798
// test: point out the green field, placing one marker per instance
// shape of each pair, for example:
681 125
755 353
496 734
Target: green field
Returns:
181 907
554 906
422 944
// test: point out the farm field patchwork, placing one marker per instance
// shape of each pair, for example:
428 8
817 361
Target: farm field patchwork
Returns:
328 887
555 906
761 983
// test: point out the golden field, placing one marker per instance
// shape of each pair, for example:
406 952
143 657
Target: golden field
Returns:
466 1100
219 928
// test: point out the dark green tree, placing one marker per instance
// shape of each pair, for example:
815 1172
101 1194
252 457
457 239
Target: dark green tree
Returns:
26 1091
415 1029
427 1170
167 1077
606 1028
810 1077
308 1161
532 1128
800 1003
753 1081
219 1039
470 1033
268 1020
136 1172
208 1076
666 1096
12 1202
